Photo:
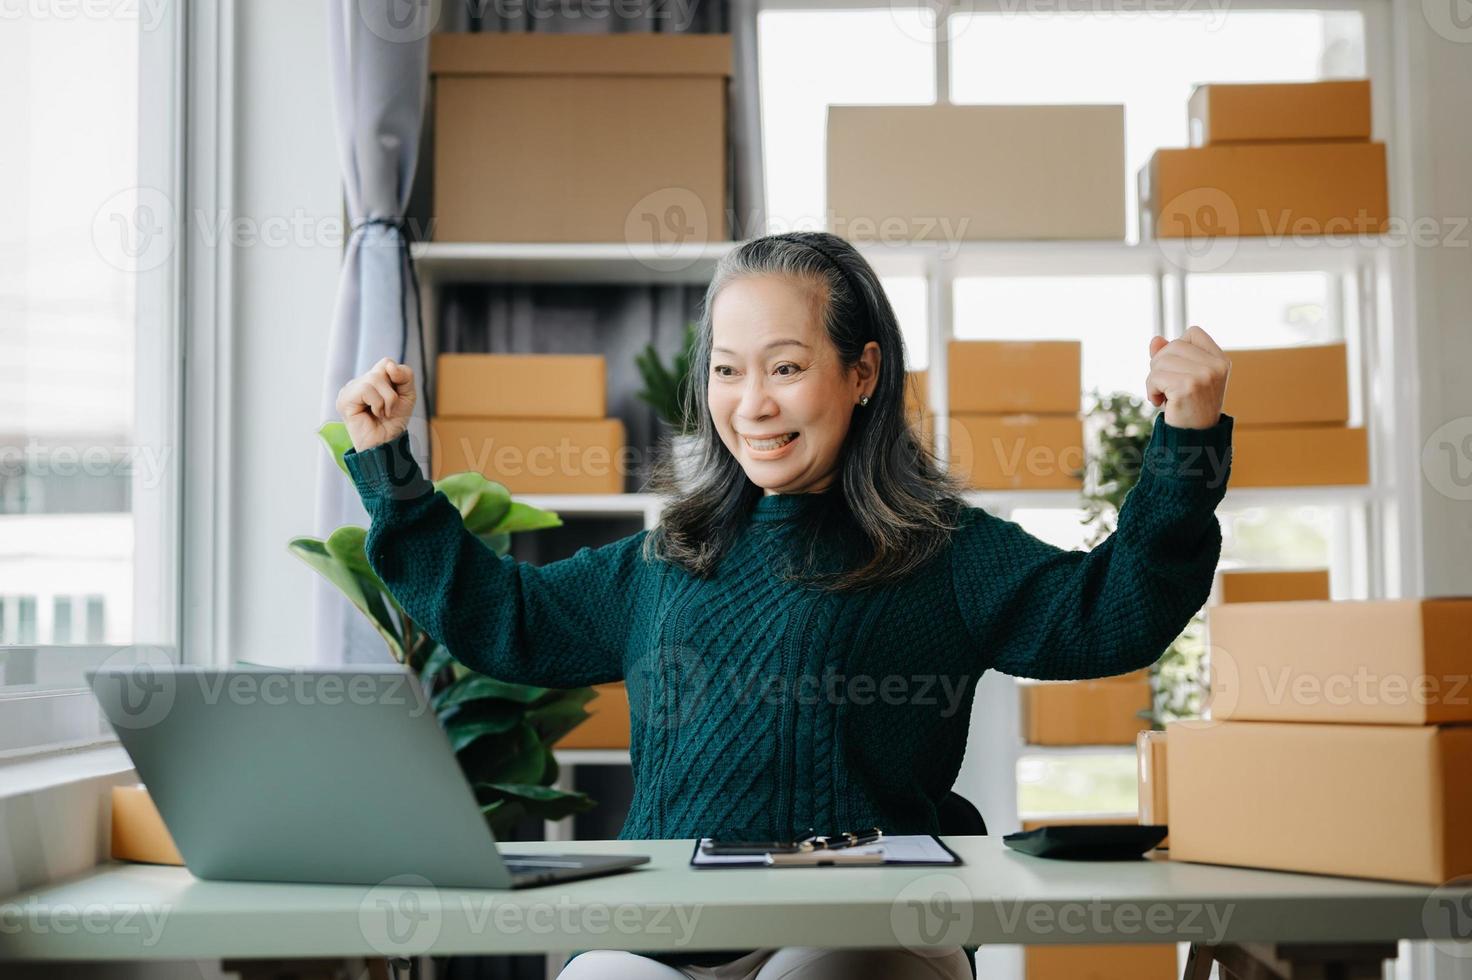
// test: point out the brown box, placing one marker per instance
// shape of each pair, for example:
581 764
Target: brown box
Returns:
138 832
1299 456
1274 586
1226 113
1289 386
917 393
531 455
1386 661
608 726
1070 820
1083 712
1265 189
533 386
1150 757
1375 801
1010 376
1132 961
1018 452
580 137
967 172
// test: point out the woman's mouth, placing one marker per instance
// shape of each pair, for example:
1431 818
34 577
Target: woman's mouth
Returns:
770 446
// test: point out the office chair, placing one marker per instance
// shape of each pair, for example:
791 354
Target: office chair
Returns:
958 817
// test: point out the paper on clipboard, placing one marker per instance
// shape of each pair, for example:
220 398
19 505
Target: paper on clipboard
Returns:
900 849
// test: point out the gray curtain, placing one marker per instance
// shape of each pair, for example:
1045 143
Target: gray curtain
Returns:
378 50
616 321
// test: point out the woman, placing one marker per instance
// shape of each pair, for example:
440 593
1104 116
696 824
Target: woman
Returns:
802 634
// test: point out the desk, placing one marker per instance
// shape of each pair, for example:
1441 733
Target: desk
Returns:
127 911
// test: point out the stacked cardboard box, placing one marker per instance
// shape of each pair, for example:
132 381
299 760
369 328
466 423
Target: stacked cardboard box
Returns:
1277 585
990 172
638 153
1291 411
1340 742
533 422
607 726
1270 160
1014 413
917 405
1144 961
1093 712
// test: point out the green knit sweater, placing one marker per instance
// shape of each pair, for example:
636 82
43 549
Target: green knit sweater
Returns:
768 707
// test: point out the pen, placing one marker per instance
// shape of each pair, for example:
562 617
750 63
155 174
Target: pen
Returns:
850 839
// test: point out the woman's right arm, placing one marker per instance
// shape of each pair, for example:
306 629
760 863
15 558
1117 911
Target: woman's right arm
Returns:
563 624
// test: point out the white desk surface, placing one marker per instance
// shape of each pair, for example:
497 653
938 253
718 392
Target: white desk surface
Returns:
130 911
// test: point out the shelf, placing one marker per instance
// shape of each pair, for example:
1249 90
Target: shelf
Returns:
693 264
593 504
1027 748
648 505
573 262
591 757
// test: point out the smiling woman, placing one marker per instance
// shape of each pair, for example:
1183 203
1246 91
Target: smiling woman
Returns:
788 630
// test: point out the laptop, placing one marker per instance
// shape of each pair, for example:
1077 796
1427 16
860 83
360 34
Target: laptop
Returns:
338 775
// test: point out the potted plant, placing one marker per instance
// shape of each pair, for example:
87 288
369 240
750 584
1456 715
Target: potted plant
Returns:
1121 427
502 733
665 390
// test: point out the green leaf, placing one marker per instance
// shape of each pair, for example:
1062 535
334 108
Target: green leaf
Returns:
364 594
525 517
478 686
335 436
465 730
438 660
555 719
544 801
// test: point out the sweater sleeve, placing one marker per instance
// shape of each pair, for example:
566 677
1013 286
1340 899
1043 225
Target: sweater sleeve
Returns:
1036 610
561 625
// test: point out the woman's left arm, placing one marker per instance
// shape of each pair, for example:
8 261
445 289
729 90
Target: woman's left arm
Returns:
1036 610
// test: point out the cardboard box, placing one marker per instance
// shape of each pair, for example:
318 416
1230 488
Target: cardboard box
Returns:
1083 712
1071 820
534 386
1133 961
1003 377
1374 801
1289 386
1337 110
1387 661
1150 757
637 153
138 832
1018 452
531 455
917 394
1283 190
1274 586
608 726
969 172
1294 456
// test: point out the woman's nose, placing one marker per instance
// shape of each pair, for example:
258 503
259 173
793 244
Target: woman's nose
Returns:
756 401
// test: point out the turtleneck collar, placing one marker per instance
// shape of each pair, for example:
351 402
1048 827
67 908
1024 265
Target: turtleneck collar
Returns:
780 506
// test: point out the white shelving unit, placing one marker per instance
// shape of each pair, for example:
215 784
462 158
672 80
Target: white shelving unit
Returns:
1371 566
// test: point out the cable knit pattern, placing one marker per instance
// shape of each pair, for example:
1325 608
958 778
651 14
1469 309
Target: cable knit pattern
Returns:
769 708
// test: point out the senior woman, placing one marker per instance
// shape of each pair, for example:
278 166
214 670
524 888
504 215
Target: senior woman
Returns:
802 633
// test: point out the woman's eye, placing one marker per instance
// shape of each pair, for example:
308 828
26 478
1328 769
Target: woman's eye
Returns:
720 369
789 364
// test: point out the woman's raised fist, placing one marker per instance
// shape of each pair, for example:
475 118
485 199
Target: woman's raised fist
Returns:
376 405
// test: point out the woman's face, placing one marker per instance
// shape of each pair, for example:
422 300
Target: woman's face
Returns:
778 394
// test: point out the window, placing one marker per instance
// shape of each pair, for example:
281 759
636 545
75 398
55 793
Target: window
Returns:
89 537
1113 317
1146 61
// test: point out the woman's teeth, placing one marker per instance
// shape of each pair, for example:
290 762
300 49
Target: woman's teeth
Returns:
765 445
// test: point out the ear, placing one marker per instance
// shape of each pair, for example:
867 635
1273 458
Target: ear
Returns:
867 367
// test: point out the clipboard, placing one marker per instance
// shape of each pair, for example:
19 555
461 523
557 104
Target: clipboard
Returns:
916 850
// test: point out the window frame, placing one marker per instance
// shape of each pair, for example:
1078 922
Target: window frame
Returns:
36 722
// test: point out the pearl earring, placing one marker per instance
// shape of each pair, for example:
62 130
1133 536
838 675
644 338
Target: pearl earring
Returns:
863 399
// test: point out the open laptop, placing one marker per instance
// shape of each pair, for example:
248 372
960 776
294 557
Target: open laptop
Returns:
337 775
